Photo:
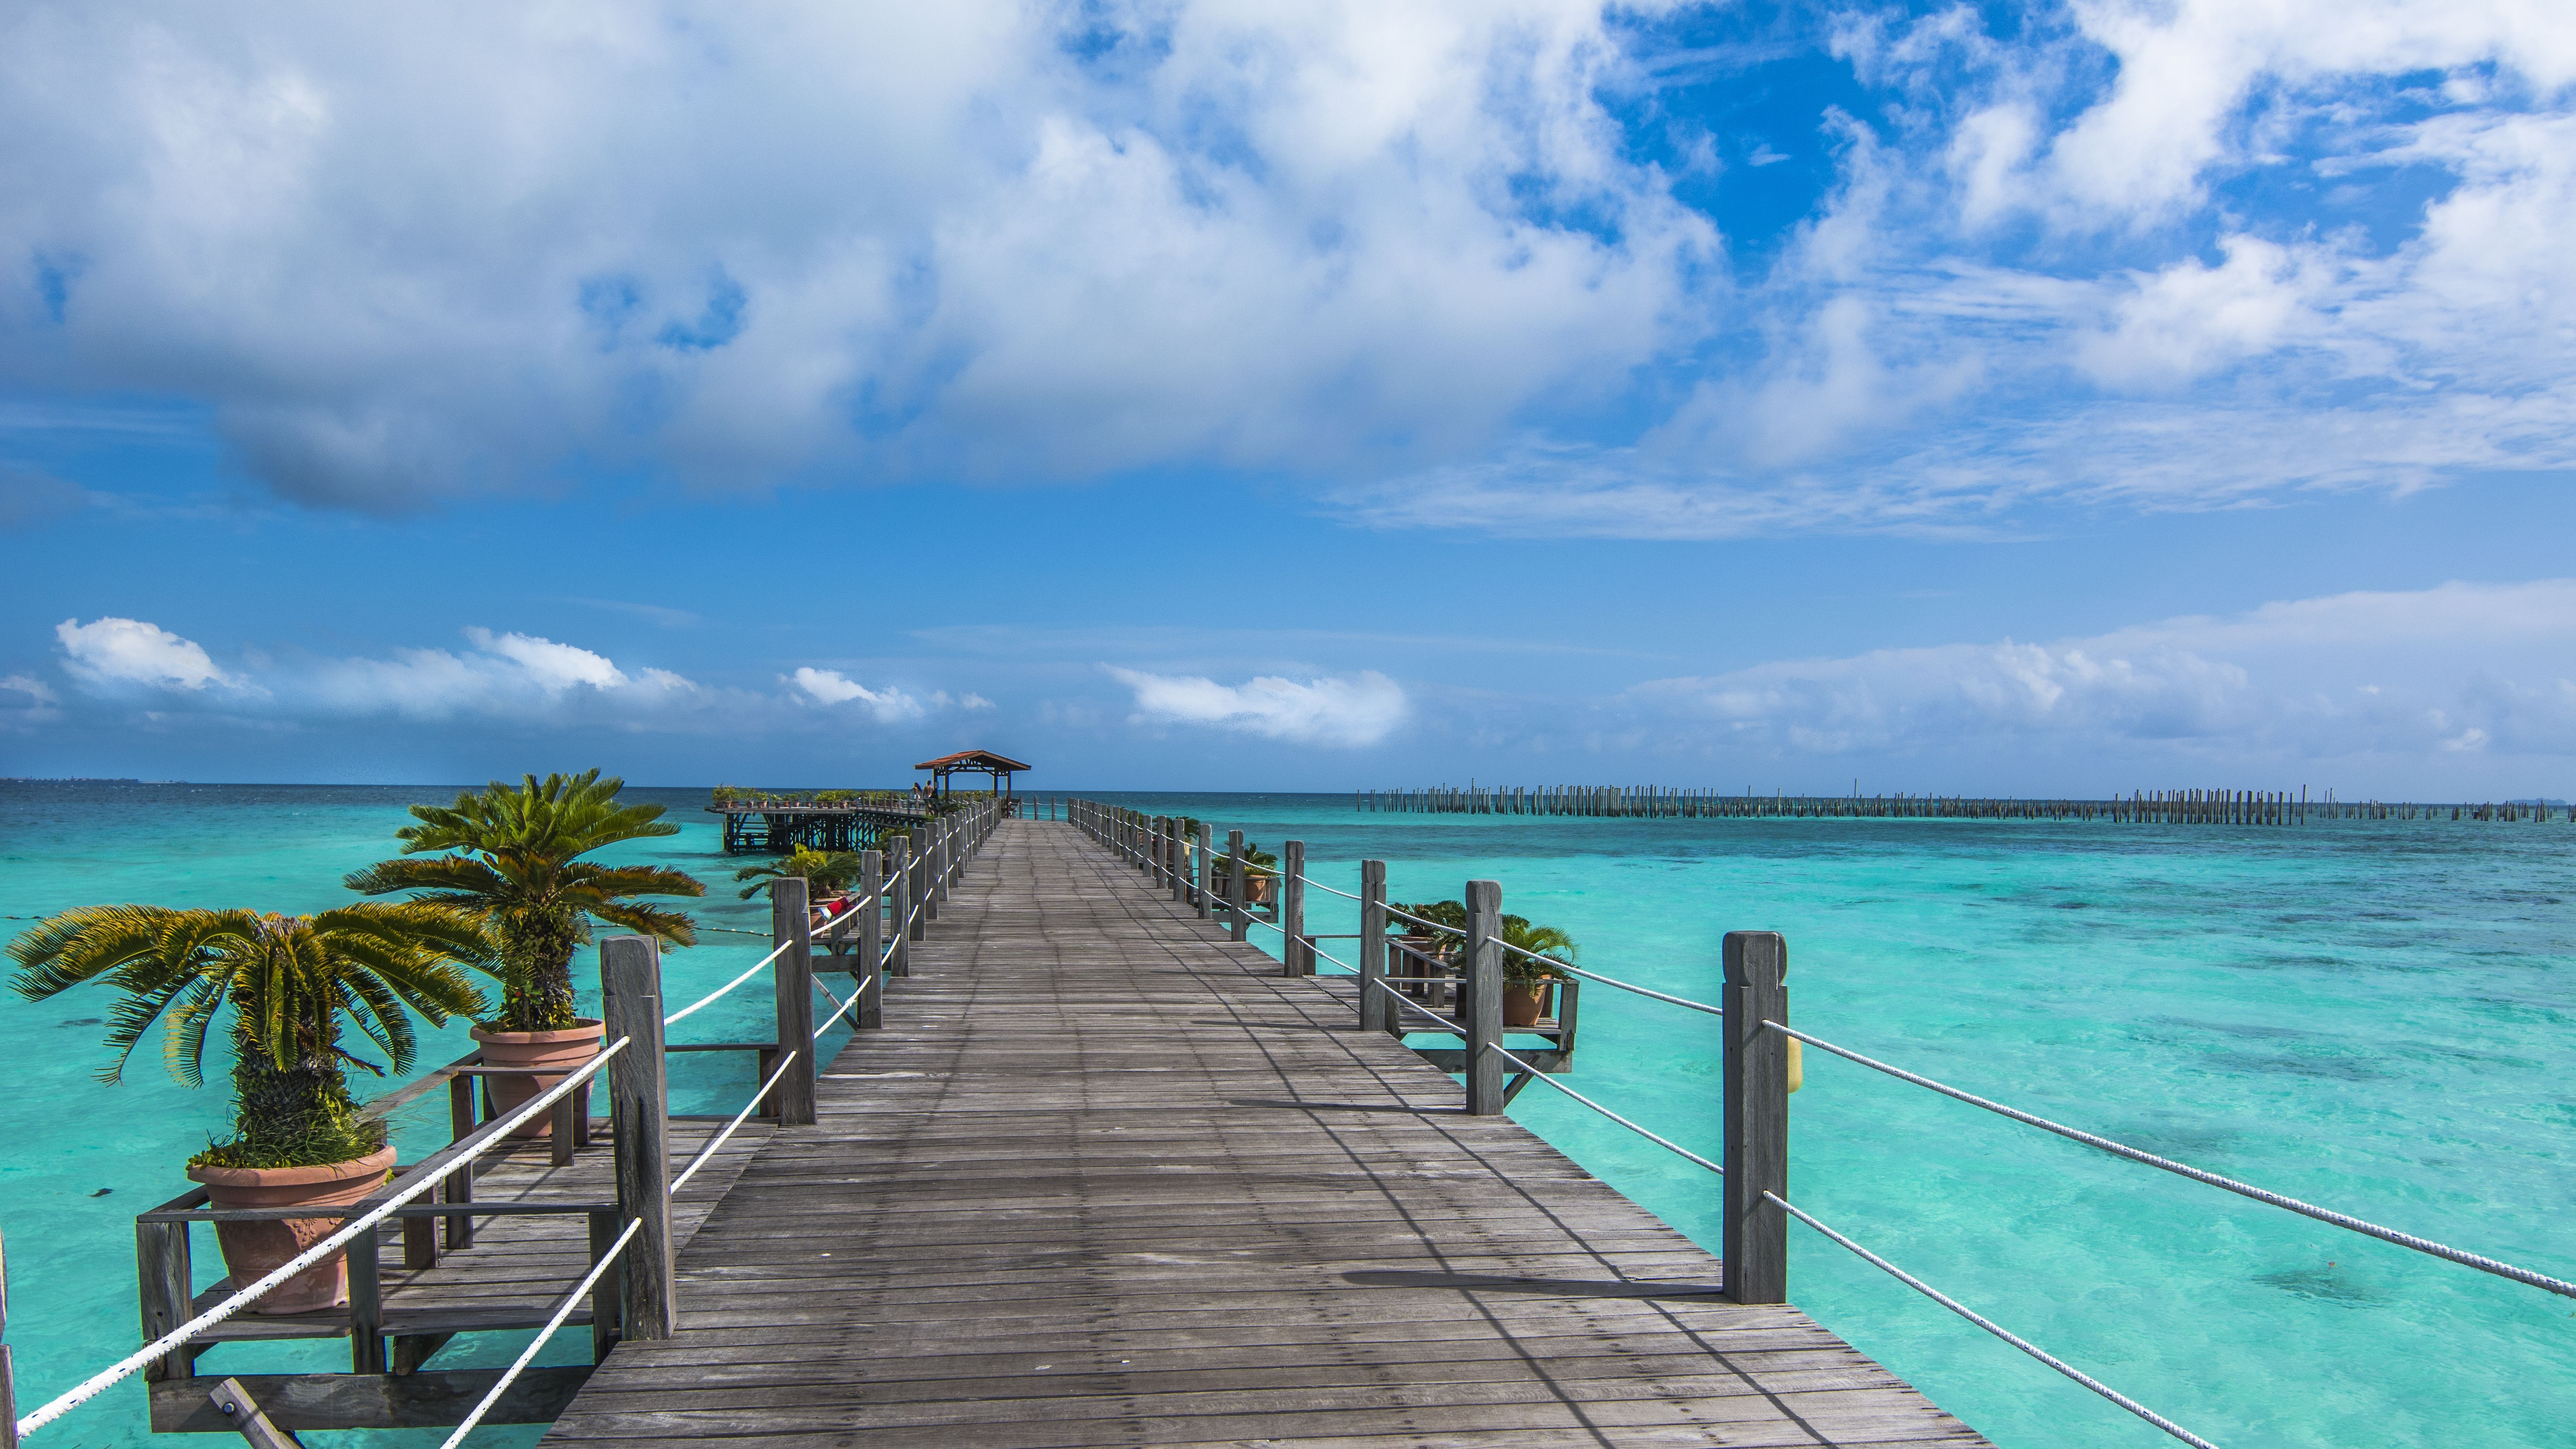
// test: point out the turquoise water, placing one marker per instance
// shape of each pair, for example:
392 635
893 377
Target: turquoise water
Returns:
2375 1016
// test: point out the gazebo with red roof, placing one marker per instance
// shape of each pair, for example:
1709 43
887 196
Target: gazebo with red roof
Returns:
972 762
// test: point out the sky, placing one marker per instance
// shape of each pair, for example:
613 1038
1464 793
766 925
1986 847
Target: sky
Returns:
2037 399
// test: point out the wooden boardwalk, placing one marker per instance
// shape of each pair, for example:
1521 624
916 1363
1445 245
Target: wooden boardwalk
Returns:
1105 1178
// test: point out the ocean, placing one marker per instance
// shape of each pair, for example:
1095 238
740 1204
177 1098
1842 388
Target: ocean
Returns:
2375 1016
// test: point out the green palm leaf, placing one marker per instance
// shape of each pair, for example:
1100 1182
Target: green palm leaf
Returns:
293 984
513 868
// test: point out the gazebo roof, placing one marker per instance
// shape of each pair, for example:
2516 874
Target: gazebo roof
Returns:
978 760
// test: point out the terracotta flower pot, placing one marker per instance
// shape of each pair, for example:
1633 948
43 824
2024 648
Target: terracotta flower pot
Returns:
1259 888
252 1251
1524 1005
562 1050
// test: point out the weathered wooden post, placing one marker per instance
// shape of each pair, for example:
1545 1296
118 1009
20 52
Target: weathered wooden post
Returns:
934 871
630 988
871 972
1483 1008
793 975
1206 866
925 871
1292 911
1238 889
1756 1234
1374 1007
165 1277
1180 862
607 1299
899 904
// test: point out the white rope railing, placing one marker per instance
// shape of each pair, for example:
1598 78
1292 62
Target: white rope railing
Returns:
721 1138
1446 1025
1571 969
841 922
1990 1326
703 1002
2425 1246
1405 915
1666 1143
842 1008
96 1383
528 1355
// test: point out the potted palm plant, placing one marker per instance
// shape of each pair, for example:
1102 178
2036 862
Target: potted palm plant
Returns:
514 865
1261 875
1529 986
1426 939
292 982
1425 947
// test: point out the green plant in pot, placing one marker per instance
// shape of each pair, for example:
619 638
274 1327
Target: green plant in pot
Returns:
293 983
513 863
1442 945
1261 875
1528 983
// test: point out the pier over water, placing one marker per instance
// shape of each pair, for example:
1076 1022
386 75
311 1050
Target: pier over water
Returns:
1105 1177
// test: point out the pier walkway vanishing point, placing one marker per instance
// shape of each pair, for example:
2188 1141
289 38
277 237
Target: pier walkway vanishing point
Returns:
1104 1177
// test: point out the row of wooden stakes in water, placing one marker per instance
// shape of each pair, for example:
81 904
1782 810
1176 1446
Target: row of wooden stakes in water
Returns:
2149 807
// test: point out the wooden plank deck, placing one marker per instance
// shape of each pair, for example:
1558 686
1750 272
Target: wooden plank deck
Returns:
1105 1178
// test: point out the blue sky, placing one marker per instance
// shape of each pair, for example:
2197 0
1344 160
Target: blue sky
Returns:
1987 399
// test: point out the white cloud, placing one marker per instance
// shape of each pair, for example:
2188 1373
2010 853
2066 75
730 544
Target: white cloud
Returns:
2185 71
549 665
508 676
1410 249
2460 668
405 255
2190 318
1348 712
831 687
114 651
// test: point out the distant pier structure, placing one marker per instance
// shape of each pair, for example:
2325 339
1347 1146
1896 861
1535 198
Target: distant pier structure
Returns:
774 822
2142 807
997 768
775 825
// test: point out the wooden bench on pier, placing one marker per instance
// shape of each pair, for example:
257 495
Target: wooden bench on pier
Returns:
511 1233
